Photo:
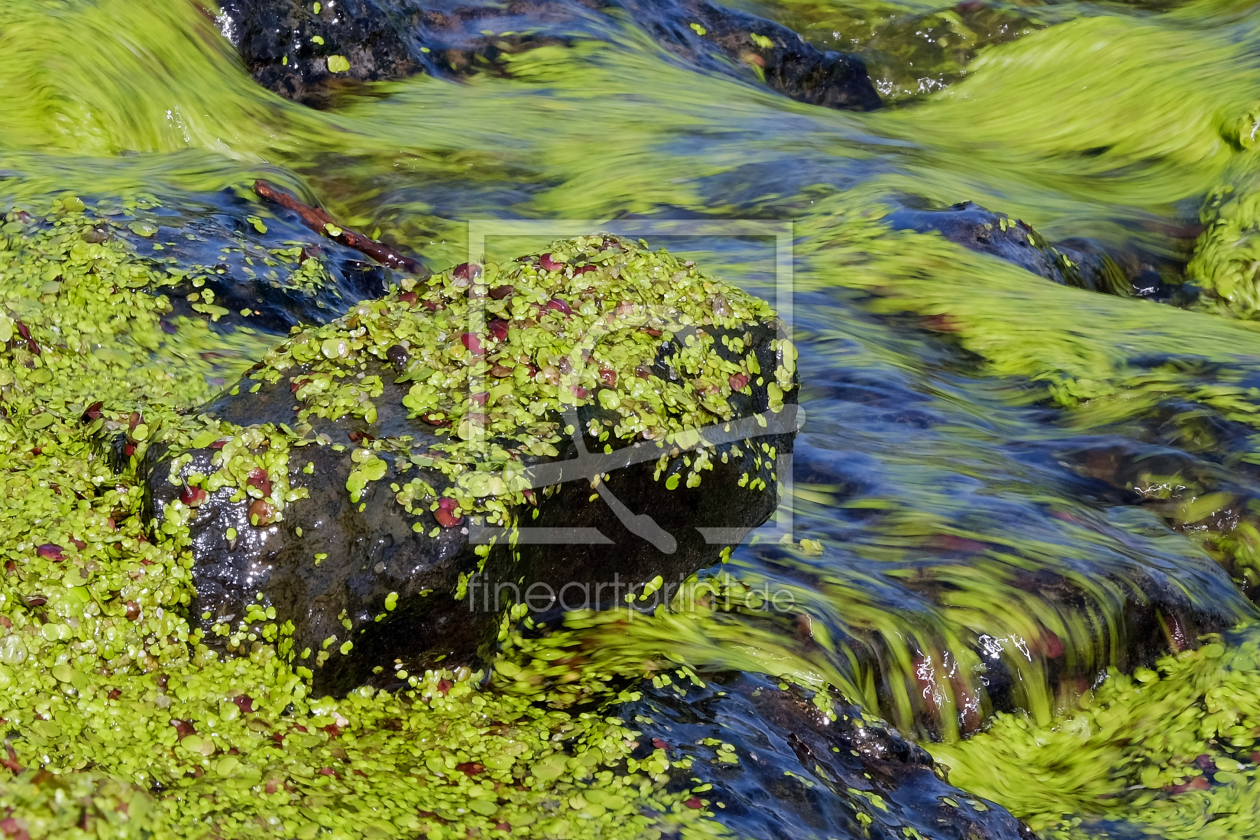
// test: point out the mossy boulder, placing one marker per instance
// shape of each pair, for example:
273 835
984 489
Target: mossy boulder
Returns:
590 422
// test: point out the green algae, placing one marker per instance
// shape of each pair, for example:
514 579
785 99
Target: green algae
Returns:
131 726
1224 262
1169 751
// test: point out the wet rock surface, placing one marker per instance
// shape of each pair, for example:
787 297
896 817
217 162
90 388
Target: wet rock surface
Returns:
787 63
801 775
1075 262
245 266
311 52
388 523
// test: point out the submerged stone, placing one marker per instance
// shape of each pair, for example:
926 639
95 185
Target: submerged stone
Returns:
786 766
309 52
1076 262
564 431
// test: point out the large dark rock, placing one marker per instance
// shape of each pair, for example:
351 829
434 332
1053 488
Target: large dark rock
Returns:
797 772
308 52
382 489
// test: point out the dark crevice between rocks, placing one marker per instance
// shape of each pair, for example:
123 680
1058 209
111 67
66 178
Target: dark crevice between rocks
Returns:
315 56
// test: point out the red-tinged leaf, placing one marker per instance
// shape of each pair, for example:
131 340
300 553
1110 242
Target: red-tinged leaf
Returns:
193 496
546 263
245 703
11 828
447 519
560 306
466 271
498 328
10 762
259 480
738 381
51 551
472 343
694 803
261 513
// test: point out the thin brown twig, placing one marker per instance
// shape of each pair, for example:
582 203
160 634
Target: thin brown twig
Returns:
318 220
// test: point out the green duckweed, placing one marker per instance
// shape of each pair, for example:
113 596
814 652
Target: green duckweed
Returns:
491 359
121 723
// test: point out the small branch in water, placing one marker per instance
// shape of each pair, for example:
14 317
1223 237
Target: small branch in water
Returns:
318 220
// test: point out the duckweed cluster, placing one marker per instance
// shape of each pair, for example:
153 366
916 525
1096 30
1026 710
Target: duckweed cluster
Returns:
120 721
495 361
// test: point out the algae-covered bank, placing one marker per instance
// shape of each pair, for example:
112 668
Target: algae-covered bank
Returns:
1009 585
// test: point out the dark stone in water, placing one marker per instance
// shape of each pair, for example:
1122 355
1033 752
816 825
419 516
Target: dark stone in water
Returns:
789 64
801 775
254 275
407 587
296 51
1075 262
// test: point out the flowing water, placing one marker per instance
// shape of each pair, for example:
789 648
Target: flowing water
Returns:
1004 487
